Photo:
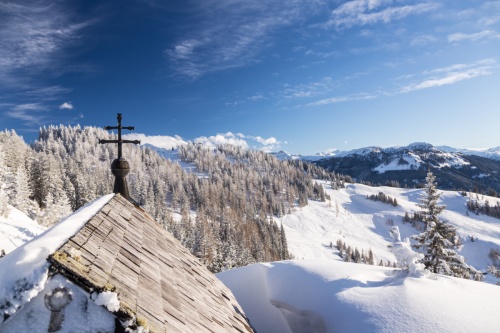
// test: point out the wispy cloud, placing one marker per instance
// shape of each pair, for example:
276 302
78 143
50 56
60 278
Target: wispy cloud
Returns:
310 89
428 79
346 98
46 93
423 40
460 37
232 34
363 12
451 75
30 113
32 34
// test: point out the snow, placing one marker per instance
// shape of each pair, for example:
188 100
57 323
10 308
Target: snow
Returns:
23 273
109 300
319 296
362 223
410 162
16 229
80 314
317 292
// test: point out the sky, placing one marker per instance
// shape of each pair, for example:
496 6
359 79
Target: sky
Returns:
303 76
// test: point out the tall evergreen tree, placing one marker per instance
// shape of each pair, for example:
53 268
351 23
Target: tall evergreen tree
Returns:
4 208
436 240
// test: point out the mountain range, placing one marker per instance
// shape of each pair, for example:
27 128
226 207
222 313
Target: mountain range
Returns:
455 169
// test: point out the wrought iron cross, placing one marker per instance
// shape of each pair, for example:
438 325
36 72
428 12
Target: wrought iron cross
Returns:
120 167
119 141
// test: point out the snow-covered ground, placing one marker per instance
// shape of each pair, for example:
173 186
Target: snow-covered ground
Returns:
317 292
363 223
16 229
319 296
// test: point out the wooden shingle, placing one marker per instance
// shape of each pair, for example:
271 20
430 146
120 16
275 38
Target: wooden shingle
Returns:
157 280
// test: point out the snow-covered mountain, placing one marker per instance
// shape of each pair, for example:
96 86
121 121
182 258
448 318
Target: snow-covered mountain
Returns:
493 153
282 155
408 165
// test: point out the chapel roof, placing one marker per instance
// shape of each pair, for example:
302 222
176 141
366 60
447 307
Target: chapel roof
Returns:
157 280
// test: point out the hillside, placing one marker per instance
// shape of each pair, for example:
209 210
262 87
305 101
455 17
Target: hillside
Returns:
317 292
407 166
215 201
16 229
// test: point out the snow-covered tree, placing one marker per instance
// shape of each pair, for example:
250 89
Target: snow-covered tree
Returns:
436 240
4 208
407 259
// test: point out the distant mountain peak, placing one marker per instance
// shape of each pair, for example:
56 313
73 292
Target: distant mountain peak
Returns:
420 146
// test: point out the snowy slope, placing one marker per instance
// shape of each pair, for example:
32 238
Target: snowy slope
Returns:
16 229
362 223
319 293
320 296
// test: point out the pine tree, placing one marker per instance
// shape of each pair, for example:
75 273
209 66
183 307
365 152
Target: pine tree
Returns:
284 244
4 208
435 241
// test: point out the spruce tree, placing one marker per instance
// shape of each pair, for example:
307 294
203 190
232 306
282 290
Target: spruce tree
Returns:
435 241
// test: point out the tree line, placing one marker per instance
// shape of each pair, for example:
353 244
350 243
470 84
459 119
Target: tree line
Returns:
222 212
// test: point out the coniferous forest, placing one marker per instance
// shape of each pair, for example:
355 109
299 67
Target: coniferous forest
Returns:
222 212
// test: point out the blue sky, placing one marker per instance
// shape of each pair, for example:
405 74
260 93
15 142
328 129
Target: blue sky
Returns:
304 76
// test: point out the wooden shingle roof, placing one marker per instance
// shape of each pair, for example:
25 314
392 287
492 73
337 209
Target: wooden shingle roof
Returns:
157 280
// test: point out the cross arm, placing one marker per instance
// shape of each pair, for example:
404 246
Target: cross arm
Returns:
135 142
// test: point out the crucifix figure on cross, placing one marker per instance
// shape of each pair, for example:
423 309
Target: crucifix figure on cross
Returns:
120 167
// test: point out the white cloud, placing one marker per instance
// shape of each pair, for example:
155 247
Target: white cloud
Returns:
160 141
268 141
220 139
238 139
66 106
459 37
363 12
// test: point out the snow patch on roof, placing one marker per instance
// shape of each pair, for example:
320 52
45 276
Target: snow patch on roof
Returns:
23 272
108 299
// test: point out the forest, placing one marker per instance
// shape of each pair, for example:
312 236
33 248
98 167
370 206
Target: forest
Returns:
222 210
